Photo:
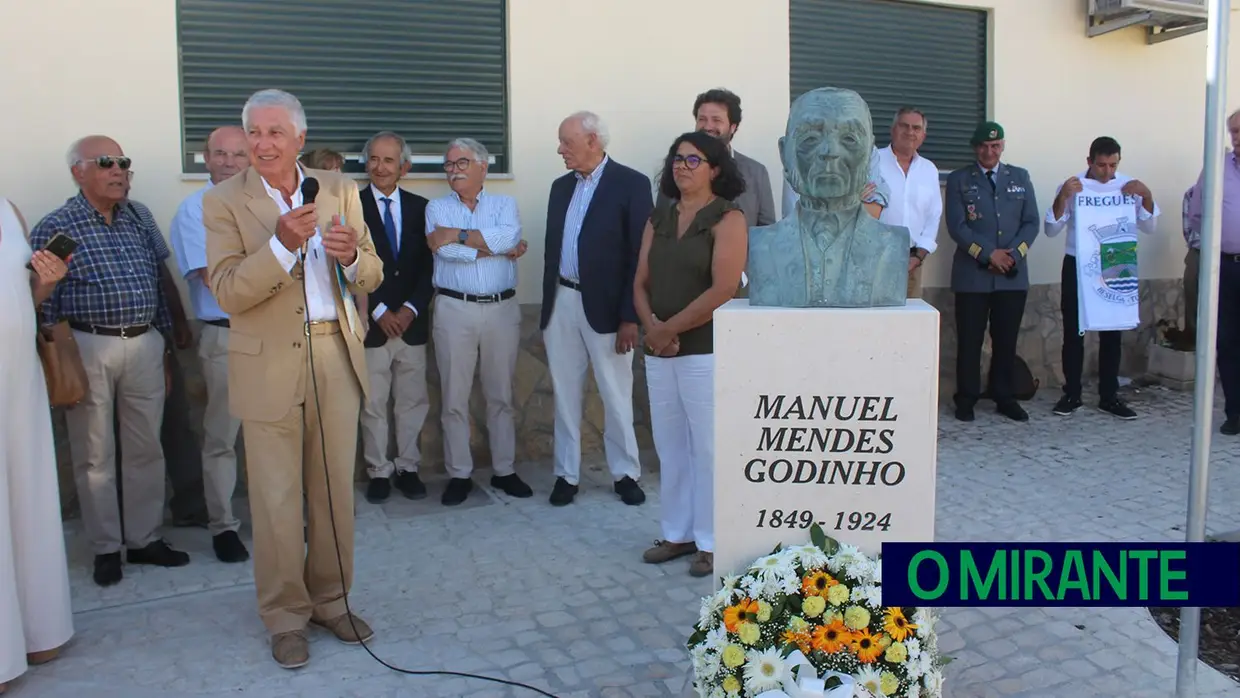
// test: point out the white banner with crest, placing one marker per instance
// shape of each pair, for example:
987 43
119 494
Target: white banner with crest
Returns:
1108 288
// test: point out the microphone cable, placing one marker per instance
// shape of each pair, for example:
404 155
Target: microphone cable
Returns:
331 509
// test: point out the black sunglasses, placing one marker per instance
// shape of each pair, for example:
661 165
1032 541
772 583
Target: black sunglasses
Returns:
107 161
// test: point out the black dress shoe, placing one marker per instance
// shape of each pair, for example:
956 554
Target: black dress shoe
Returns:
158 554
379 489
1013 411
512 485
964 414
562 494
229 548
630 492
108 569
1231 426
410 485
456 492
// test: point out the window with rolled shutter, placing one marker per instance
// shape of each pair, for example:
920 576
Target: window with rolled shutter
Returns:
897 54
430 70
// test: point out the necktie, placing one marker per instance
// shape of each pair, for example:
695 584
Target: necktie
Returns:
990 174
389 225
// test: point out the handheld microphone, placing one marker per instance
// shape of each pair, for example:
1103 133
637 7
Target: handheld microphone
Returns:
309 191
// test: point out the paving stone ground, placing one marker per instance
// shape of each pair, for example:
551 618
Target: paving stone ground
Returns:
558 597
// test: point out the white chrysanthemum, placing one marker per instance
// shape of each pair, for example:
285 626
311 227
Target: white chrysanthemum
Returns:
712 606
811 556
706 664
914 691
764 671
729 583
913 645
857 595
848 554
862 570
934 684
925 620
877 576
718 693
869 679
925 665
873 595
716 639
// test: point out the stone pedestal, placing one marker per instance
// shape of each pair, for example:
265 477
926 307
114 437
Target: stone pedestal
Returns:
1174 369
823 415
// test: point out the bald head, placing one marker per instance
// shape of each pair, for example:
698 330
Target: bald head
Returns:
227 152
583 141
99 167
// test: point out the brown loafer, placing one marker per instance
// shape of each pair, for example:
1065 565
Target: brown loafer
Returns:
37 658
349 632
703 564
664 551
291 650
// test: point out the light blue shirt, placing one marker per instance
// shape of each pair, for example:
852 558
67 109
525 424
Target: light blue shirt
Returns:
458 267
189 244
583 194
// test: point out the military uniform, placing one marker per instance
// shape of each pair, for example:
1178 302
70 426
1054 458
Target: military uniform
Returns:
983 217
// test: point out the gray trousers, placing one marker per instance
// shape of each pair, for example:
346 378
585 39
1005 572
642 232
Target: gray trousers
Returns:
126 378
486 337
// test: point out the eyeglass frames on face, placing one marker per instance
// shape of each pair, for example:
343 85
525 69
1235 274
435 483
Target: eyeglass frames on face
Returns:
105 162
691 162
461 164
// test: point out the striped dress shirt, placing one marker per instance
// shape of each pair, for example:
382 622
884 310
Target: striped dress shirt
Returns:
458 267
583 193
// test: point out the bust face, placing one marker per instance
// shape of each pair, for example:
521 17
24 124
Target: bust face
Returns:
828 144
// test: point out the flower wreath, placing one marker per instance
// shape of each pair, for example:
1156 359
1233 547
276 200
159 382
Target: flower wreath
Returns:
808 622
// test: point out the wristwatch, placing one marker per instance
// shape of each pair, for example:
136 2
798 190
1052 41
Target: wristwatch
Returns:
463 237
912 252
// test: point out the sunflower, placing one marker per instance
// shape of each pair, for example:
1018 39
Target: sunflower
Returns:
866 647
831 638
896 624
744 612
817 583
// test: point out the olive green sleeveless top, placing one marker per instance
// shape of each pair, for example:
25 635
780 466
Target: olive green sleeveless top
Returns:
680 269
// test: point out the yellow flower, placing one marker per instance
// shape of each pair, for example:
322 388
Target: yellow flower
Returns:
896 624
896 653
817 583
865 646
831 638
856 618
733 656
764 611
832 617
797 624
887 683
838 594
731 684
749 633
813 606
746 610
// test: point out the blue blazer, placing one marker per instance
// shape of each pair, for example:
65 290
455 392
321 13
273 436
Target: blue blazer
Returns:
607 249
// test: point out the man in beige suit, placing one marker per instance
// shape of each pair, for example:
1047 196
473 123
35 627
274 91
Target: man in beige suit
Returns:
287 273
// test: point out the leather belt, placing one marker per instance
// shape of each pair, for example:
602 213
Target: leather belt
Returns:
128 332
493 298
570 284
321 327
218 323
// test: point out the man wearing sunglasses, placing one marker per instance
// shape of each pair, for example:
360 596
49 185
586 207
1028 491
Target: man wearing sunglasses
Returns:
114 300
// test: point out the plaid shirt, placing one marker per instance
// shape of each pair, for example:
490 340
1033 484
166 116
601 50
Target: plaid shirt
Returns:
1192 237
114 276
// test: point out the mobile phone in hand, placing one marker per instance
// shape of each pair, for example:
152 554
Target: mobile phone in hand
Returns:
60 245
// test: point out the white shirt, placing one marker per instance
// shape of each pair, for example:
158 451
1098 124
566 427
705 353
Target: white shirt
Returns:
399 220
321 288
583 193
189 243
1146 222
458 267
915 201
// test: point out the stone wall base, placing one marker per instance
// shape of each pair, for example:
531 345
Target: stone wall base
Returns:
1040 343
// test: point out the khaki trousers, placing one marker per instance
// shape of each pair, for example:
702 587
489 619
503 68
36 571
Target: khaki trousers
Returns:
397 372
468 334
126 378
219 442
1192 275
296 572
914 281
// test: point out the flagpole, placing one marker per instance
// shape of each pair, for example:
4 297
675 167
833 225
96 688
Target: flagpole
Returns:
1207 324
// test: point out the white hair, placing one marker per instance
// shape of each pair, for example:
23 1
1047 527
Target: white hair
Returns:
910 110
479 150
74 155
276 98
593 123
406 154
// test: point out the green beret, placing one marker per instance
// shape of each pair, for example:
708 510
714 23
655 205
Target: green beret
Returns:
986 131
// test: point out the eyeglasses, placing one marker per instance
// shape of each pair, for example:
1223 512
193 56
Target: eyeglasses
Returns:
690 161
461 164
106 162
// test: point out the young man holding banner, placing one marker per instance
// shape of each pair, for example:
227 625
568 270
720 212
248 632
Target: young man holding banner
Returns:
1100 284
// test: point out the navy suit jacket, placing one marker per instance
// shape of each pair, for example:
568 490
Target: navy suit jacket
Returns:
406 277
607 249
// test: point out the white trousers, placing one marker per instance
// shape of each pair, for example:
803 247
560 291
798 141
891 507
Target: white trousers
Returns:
219 432
571 346
682 418
397 372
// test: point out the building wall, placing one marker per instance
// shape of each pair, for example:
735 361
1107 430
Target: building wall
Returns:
74 67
